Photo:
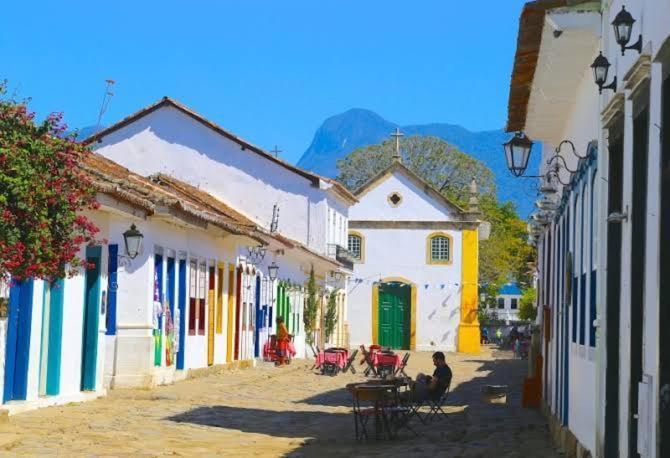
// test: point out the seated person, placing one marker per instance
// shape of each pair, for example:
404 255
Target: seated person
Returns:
432 387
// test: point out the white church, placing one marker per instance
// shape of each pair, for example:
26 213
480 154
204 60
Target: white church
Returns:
415 274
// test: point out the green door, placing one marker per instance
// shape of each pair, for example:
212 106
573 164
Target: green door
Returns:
394 315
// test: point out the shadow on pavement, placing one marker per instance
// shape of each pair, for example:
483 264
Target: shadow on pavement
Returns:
472 427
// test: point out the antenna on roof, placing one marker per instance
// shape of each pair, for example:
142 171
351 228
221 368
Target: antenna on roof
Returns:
275 152
105 102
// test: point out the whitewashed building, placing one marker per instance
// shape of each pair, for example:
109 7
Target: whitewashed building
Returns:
602 242
410 255
305 215
119 323
507 302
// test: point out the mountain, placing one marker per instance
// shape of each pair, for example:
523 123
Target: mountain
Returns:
341 134
85 132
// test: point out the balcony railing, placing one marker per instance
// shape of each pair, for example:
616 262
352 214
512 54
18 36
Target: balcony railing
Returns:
344 257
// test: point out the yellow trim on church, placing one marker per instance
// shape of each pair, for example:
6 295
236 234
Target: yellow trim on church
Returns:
468 328
413 307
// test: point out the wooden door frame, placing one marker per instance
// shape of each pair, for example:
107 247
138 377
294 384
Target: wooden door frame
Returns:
375 309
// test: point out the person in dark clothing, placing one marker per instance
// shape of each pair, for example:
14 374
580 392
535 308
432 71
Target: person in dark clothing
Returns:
432 387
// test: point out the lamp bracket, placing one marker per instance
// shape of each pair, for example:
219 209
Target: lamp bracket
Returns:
611 86
636 46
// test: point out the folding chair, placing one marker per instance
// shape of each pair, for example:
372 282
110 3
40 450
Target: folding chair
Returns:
435 411
350 362
434 405
403 365
368 359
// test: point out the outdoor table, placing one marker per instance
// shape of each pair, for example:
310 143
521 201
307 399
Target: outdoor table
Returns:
390 359
338 358
380 418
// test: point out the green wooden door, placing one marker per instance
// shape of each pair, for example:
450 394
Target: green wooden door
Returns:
394 315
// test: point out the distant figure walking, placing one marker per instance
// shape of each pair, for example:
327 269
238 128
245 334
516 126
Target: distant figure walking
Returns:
282 341
499 335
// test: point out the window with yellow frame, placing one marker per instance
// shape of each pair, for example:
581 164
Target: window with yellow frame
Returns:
356 246
439 248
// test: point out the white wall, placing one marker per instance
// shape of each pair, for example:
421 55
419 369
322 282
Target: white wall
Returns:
416 205
438 286
171 142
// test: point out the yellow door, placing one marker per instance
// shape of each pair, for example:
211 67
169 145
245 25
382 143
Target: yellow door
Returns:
231 312
210 319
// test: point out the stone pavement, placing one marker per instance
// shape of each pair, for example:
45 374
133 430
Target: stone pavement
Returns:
288 411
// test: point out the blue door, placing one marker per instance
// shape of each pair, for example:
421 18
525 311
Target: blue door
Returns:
112 287
91 318
52 338
182 313
18 340
260 319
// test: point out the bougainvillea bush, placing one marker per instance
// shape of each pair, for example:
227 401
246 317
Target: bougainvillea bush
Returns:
42 194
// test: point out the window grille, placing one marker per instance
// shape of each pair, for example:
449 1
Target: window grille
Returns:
439 248
354 246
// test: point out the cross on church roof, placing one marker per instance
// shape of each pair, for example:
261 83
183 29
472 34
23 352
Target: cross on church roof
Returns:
275 152
397 134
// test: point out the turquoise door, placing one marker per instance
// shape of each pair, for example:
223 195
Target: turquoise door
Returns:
91 317
18 340
52 338
394 315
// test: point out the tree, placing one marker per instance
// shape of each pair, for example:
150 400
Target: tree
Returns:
527 308
42 194
433 159
311 308
330 319
505 254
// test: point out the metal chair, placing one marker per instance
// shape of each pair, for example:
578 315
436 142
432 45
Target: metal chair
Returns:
403 365
350 363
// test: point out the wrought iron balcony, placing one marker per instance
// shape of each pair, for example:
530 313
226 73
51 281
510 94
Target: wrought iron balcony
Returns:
343 256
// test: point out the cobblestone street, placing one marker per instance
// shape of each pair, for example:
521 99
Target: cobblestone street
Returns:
289 411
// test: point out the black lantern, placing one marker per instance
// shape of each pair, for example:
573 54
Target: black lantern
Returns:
273 270
623 26
517 153
600 68
133 240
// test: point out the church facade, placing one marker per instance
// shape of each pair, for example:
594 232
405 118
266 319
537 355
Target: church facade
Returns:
415 275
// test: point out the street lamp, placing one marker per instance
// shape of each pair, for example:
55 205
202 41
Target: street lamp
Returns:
600 68
517 152
623 26
273 270
133 241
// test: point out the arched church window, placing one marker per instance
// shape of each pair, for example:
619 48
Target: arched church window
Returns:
439 248
356 245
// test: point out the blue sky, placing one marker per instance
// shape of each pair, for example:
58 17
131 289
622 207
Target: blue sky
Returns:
271 71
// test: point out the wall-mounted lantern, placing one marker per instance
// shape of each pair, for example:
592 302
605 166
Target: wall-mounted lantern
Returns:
623 26
517 153
132 238
256 254
600 68
273 270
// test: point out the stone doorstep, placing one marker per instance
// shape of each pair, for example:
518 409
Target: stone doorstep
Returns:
15 407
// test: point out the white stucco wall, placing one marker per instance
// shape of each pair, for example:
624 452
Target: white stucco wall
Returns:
438 286
171 142
416 205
